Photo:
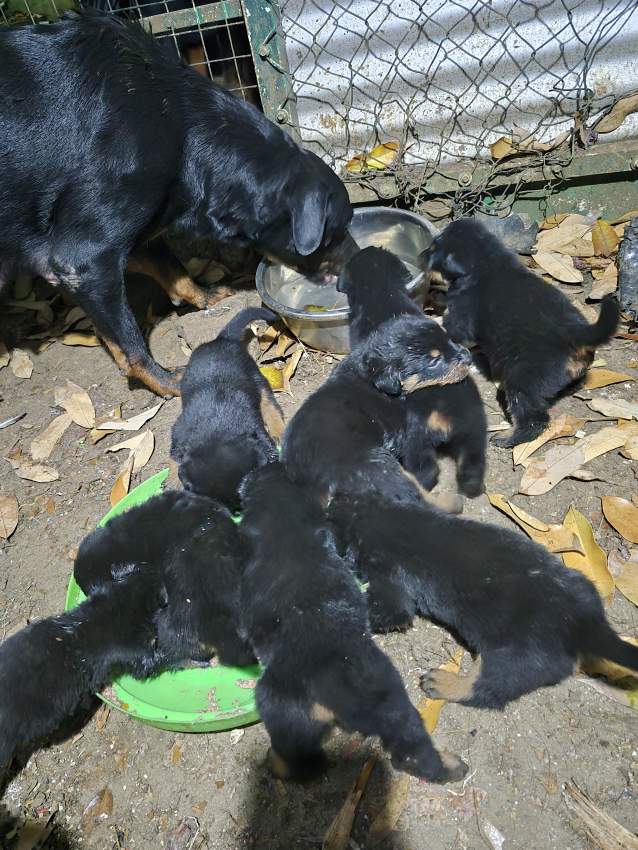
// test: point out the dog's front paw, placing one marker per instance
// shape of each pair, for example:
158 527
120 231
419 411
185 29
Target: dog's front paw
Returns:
503 441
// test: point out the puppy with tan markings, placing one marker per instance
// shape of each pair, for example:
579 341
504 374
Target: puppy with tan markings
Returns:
534 341
306 619
443 417
528 618
361 408
230 419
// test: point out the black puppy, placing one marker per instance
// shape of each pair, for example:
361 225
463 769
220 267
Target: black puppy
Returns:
535 342
47 668
360 407
446 418
189 545
229 414
528 617
306 619
144 144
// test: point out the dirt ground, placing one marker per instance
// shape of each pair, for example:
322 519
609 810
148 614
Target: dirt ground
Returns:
218 794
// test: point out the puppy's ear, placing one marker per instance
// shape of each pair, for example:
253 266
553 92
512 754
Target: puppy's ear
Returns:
384 376
309 221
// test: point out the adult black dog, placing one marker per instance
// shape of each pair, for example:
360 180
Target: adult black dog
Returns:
528 617
306 620
108 139
536 343
448 416
230 417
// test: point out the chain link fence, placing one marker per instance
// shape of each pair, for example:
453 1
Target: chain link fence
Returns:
448 79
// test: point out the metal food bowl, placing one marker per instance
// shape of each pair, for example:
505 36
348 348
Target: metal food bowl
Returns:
316 313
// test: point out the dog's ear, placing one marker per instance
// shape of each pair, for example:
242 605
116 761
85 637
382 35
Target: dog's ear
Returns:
309 221
384 376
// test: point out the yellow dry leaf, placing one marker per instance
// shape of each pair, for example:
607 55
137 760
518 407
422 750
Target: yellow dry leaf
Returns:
20 363
393 805
604 238
77 404
559 266
356 164
609 669
555 538
617 114
274 376
577 248
502 147
605 284
572 228
542 474
75 338
132 424
337 836
625 217
176 753
97 810
627 581
122 482
563 426
430 709
140 447
8 516
593 563
597 378
552 221
5 357
382 155
42 445
290 367
622 515
615 408
630 449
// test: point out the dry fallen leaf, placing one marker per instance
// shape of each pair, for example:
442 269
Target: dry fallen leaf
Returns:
337 836
5 357
132 424
8 516
95 435
609 669
39 472
555 538
74 338
604 238
274 376
605 285
430 709
630 449
380 157
552 221
393 805
122 482
559 266
521 142
622 515
542 474
605 832
176 753
295 355
76 402
617 114
573 228
101 716
140 447
597 378
20 363
100 807
593 563
562 426
42 445
615 408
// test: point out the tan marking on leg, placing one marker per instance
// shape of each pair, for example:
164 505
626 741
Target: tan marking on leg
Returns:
117 354
169 388
579 362
272 416
436 421
451 503
321 713
278 765
441 684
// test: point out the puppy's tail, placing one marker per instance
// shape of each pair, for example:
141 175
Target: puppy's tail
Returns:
235 328
591 336
603 642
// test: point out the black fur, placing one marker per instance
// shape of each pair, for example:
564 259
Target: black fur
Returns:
511 601
535 342
307 621
190 546
340 424
143 144
447 418
220 435
47 668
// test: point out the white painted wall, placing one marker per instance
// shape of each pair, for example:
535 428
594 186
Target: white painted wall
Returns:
465 71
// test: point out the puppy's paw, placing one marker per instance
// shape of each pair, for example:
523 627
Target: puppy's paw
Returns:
504 441
454 768
384 620
471 486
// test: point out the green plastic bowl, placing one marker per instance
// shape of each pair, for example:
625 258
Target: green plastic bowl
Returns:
196 699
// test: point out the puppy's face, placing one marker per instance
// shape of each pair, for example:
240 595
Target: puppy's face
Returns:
412 352
452 253
141 604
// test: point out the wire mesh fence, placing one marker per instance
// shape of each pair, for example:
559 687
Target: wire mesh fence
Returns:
448 79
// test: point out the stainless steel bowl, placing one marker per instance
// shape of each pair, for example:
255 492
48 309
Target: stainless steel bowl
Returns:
325 325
